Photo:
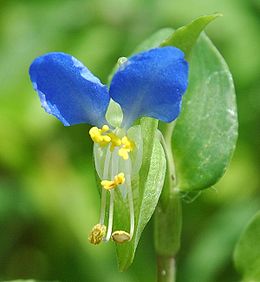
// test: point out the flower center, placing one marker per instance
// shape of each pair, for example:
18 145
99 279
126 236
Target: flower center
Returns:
105 137
112 151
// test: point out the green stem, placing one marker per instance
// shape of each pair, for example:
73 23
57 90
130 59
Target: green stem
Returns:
168 216
166 269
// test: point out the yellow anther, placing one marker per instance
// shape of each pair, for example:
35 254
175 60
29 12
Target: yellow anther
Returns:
97 136
127 147
115 141
103 138
123 153
119 179
121 236
104 128
106 138
97 234
110 184
128 144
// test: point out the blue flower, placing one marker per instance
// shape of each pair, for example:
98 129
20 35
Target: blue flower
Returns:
149 84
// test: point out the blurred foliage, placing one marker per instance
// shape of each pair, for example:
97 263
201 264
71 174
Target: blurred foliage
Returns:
247 251
48 200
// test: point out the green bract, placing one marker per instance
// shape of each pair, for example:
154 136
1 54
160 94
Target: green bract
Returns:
146 191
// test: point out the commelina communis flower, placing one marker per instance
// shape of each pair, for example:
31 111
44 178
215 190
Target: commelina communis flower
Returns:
148 84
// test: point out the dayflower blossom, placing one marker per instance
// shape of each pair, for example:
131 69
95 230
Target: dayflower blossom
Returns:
149 84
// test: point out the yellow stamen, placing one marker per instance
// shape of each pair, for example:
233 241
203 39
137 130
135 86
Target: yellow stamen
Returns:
115 141
103 138
121 236
123 153
110 184
97 135
127 147
128 144
97 234
104 128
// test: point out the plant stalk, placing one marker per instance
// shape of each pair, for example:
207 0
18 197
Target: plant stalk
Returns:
165 269
168 216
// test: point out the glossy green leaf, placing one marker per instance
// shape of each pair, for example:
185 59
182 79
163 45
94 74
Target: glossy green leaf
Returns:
247 251
146 192
205 135
186 36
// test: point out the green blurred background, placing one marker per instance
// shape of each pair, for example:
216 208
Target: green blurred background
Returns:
48 199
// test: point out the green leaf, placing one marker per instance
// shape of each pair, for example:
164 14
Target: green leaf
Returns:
146 192
247 251
206 132
186 36
183 38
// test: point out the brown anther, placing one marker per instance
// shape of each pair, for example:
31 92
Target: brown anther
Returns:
121 236
97 234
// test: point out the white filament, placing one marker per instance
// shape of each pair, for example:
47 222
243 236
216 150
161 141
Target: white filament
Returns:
103 193
113 173
110 216
130 199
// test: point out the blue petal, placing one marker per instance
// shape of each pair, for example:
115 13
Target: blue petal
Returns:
151 84
68 90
